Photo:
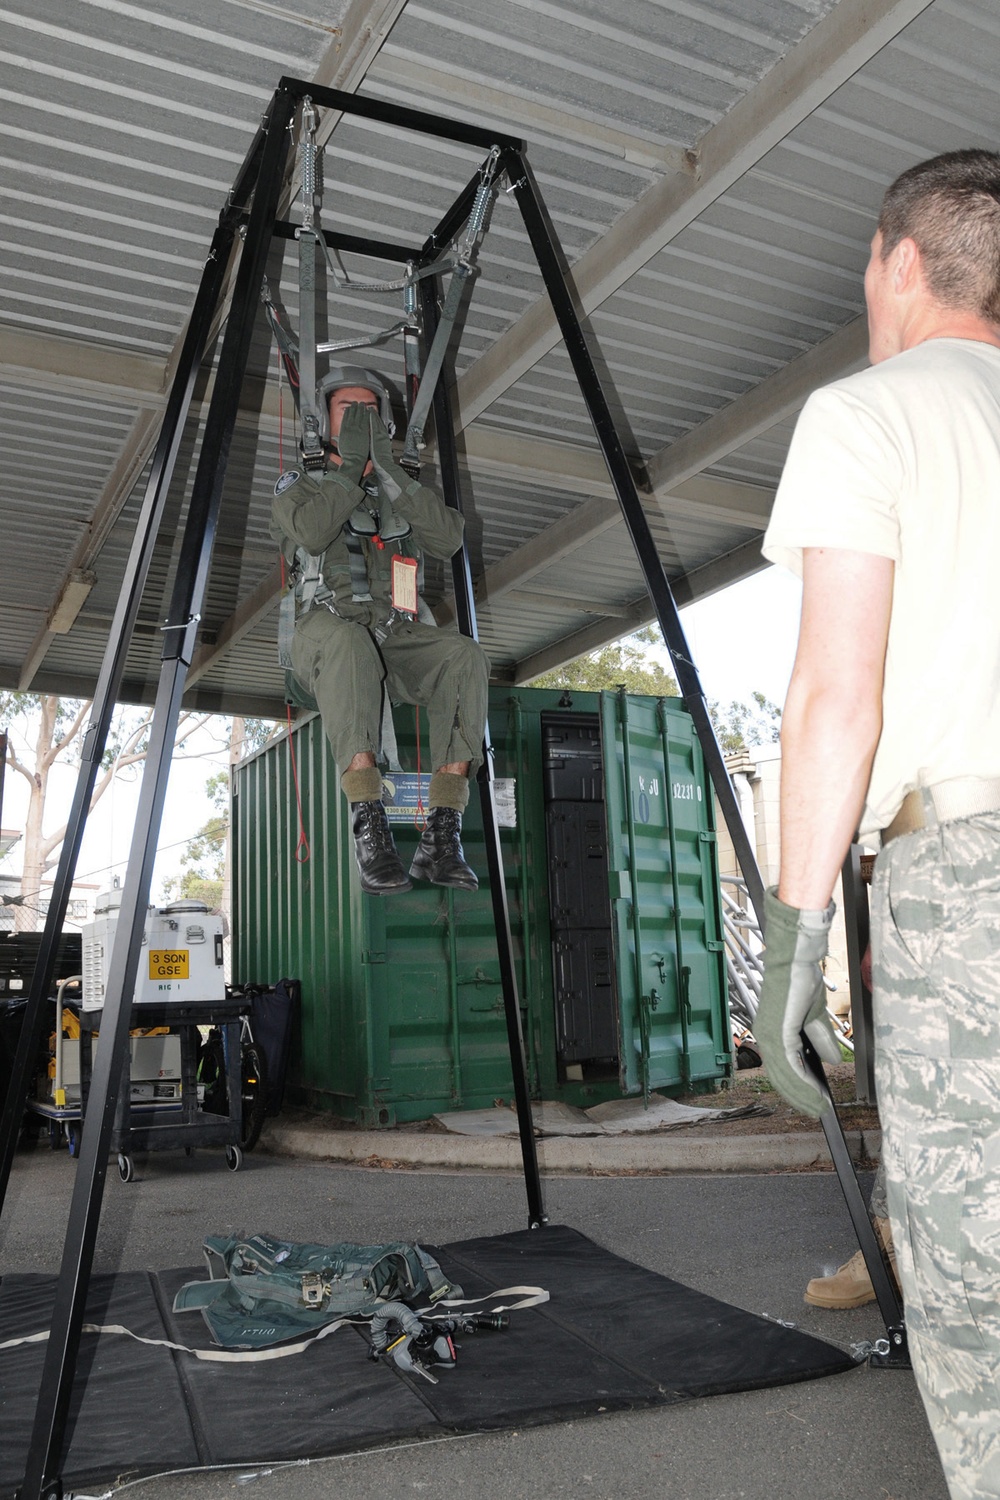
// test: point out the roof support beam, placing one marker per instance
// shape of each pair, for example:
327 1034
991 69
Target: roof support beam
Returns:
421 75
119 485
687 588
554 600
57 364
836 47
249 614
590 638
363 32
774 399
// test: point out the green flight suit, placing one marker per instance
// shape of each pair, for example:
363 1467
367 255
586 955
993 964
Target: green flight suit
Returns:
345 648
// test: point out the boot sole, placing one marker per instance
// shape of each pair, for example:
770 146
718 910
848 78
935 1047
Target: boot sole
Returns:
451 885
447 885
387 890
838 1304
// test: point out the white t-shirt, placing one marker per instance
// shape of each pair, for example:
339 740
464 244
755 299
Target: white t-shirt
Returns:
903 460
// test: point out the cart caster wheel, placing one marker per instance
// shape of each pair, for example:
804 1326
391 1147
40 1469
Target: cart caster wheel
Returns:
73 1137
234 1158
126 1168
55 1136
188 1150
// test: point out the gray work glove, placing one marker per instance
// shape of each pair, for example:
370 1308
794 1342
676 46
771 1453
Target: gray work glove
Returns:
354 442
793 999
390 477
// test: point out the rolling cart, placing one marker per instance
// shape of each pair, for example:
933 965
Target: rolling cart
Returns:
146 1126
57 1097
181 986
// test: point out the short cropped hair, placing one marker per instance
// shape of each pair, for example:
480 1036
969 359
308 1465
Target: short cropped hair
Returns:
950 207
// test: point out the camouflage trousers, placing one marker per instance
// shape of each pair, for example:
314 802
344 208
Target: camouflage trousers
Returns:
936 963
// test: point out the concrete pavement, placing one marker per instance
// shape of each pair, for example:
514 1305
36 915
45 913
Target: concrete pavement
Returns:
753 1240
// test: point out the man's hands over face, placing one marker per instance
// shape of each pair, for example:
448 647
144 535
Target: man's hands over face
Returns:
386 467
354 441
363 436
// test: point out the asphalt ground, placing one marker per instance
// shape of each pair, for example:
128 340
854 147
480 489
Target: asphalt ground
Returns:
753 1240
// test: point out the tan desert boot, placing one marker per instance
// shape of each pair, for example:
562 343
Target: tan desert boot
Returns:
850 1285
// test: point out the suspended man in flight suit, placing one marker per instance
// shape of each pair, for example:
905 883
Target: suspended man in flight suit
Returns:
352 534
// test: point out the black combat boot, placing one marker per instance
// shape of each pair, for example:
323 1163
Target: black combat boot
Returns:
380 867
439 857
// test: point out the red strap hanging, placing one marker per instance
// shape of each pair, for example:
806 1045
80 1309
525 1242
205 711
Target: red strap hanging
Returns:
302 850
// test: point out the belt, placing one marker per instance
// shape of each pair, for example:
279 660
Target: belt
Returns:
927 806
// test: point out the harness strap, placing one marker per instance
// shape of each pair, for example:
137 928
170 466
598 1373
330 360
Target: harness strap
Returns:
286 628
360 589
309 586
465 269
287 345
313 454
387 733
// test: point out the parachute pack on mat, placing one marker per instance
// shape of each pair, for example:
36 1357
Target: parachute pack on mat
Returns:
264 1293
264 1290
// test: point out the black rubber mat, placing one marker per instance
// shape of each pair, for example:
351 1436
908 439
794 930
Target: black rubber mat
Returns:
614 1336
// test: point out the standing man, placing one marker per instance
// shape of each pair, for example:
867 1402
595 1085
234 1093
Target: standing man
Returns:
352 536
889 508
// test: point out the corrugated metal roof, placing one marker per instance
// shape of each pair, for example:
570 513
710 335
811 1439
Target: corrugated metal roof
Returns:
123 126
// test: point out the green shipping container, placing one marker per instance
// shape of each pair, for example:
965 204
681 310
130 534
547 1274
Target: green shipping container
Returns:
612 880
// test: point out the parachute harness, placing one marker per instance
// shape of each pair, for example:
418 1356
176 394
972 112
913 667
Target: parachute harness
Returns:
299 356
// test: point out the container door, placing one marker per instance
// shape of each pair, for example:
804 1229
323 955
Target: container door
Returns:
665 900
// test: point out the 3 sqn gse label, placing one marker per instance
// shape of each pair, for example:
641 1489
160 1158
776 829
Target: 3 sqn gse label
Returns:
168 963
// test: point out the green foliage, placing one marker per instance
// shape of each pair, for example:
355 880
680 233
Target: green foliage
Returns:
628 663
208 844
12 705
256 733
624 663
203 860
217 791
27 707
190 886
739 725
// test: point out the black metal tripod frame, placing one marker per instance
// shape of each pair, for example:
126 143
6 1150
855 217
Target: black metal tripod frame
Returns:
560 290
252 210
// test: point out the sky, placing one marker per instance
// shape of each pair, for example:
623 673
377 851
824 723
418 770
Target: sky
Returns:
109 828
742 640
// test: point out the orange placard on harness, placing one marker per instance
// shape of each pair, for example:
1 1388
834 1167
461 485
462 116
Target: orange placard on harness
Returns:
404 584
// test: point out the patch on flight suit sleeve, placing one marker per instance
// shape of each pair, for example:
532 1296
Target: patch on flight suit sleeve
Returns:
286 480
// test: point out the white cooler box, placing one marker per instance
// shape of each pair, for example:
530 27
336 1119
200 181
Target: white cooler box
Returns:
181 958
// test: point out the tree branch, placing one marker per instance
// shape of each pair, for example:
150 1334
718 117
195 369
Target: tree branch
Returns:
18 765
57 749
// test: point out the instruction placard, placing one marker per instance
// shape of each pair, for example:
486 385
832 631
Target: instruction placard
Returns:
403 791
